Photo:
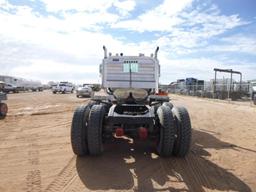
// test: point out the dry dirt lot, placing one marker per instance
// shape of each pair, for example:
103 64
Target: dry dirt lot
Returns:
36 155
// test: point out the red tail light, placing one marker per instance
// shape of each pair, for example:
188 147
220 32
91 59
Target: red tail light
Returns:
143 133
119 132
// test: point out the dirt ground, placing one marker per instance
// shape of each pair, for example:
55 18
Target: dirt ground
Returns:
36 155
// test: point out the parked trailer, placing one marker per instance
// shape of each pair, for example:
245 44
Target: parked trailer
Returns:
19 84
131 108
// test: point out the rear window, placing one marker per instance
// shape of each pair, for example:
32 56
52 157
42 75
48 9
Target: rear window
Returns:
133 66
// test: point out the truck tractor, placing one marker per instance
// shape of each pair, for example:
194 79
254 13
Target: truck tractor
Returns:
3 106
133 108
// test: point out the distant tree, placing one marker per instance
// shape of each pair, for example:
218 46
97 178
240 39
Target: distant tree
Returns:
50 83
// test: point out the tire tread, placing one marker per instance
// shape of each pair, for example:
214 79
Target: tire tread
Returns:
183 126
95 124
167 131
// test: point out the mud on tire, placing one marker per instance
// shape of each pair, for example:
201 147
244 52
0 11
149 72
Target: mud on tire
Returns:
95 124
167 131
183 131
79 130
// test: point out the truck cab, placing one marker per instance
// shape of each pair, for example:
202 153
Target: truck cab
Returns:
123 72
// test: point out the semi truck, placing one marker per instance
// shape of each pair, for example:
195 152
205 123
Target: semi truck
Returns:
132 108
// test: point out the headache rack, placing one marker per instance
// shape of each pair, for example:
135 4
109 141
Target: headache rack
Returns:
121 71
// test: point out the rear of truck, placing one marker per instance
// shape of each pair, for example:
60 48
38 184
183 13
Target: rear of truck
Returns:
133 109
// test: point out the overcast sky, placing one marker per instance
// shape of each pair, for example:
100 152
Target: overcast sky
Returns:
62 39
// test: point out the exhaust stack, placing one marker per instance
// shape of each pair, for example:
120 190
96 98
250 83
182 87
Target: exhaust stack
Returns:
105 52
156 51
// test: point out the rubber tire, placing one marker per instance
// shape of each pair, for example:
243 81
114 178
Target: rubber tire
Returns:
183 131
3 107
95 124
79 130
168 104
167 131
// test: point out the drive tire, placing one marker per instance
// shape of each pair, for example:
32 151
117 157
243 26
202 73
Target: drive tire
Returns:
79 130
168 104
95 124
167 131
183 131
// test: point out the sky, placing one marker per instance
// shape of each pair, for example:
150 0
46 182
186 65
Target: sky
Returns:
56 40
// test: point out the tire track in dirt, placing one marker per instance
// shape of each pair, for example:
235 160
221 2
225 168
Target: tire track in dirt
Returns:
64 177
199 178
74 186
33 179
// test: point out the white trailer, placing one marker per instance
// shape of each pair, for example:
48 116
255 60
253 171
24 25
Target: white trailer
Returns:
22 84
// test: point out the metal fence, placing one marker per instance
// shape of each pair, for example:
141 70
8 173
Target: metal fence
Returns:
218 90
